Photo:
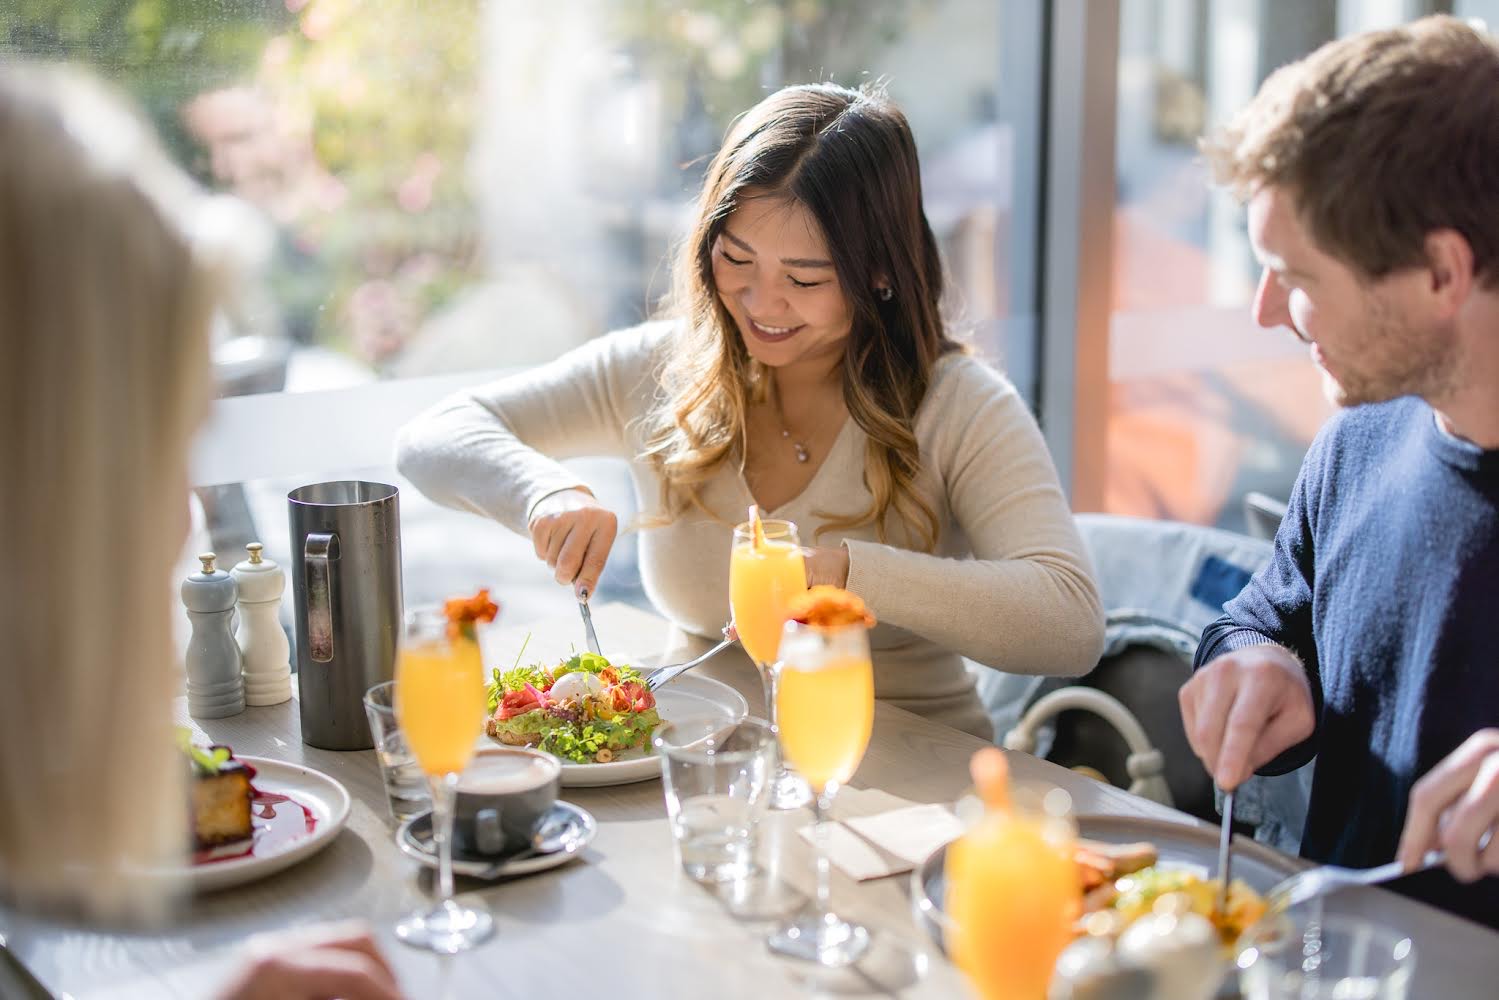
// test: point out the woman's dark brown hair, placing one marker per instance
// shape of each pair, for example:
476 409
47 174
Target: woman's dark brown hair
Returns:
849 158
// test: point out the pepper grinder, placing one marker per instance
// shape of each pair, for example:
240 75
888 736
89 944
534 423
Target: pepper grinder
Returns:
262 642
215 687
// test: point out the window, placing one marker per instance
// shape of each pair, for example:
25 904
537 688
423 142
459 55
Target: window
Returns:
1204 406
455 185
444 187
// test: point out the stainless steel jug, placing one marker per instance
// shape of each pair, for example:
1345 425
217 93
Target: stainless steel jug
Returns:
346 579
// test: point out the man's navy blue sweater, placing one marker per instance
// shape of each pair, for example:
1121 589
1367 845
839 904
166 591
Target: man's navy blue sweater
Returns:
1385 582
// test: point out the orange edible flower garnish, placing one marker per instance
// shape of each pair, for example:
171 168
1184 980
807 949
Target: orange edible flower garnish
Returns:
829 607
464 612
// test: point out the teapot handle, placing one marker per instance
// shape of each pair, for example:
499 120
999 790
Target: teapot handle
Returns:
319 550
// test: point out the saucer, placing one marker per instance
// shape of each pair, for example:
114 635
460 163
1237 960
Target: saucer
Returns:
415 840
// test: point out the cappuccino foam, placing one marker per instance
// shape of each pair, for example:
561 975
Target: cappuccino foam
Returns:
505 773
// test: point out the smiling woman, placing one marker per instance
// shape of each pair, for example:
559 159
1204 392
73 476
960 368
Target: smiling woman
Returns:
803 365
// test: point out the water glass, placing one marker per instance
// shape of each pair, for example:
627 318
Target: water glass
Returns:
1302 955
716 775
406 790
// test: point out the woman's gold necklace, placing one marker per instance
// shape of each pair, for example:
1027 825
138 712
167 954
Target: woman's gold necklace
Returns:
803 456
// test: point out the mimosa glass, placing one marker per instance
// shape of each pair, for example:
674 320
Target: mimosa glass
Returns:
825 700
764 577
1012 896
440 705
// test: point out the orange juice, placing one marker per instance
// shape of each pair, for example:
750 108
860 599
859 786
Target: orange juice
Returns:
762 581
440 702
825 716
1012 896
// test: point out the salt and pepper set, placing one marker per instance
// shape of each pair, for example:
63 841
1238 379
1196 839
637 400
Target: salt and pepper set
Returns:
225 671
262 641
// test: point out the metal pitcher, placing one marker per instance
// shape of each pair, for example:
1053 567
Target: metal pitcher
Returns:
346 579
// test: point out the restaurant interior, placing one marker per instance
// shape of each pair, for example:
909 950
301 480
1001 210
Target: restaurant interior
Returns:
433 195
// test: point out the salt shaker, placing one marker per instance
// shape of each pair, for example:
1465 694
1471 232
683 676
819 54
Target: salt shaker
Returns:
215 687
262 642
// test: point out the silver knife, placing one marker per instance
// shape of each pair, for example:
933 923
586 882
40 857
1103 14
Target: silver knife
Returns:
1225 856
15 976
593 637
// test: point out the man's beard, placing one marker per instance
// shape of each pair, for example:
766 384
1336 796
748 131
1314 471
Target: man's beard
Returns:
1396 359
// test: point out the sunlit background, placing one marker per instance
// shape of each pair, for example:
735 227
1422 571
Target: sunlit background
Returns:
453 186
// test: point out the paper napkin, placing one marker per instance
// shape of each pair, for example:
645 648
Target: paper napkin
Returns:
878 834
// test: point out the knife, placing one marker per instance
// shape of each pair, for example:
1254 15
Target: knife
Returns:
14 976
1225 856
593 637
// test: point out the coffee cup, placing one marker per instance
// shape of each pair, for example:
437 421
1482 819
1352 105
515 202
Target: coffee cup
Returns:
502 796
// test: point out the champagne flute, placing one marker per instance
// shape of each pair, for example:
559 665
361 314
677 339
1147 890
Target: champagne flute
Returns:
766 571
440 705
825 700
1012 887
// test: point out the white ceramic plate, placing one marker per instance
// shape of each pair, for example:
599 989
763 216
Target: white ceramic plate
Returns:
686 699
415 840
1180 845
325 800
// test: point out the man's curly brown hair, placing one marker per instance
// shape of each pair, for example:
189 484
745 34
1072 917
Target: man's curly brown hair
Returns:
1381 139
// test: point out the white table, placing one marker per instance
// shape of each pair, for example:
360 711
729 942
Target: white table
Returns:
624 914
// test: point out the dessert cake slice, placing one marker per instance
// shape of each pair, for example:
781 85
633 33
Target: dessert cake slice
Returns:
221 795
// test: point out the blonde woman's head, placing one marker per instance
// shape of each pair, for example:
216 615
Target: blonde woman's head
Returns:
810 244
107 284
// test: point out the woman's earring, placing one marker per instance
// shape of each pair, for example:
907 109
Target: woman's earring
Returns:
886 293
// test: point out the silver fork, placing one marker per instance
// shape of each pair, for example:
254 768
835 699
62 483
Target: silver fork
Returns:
1325 879
669 673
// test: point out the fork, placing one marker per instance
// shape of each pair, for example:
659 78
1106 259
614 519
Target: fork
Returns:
665 675
1326 879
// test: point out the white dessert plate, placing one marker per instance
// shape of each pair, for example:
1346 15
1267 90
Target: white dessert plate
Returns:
282 835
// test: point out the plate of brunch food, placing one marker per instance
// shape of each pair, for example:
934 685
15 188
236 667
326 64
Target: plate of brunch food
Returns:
253 817
597 716
1149 923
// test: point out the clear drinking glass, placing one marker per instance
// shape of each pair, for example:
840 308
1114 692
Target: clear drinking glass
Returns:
765 574
1304 955
440 704
406 790
825 706
716 776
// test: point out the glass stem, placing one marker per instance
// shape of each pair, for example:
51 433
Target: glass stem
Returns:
768 682
444 791
820 803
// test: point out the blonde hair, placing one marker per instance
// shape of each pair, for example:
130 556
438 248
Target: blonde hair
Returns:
849 157
105 301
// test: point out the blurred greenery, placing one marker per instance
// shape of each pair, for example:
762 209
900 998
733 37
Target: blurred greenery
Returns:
384 89
716 59
163 52
349 121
